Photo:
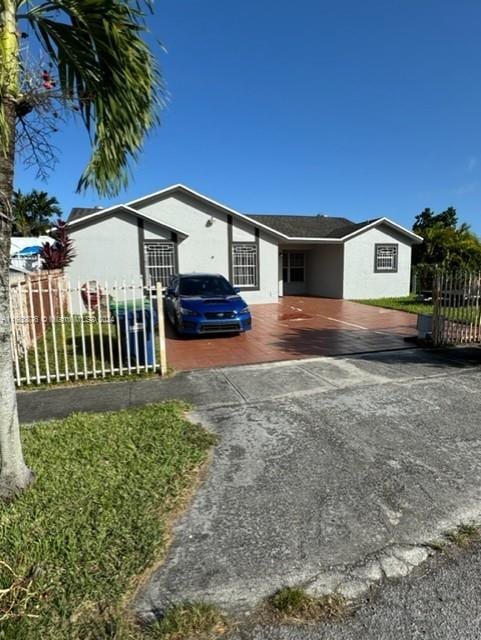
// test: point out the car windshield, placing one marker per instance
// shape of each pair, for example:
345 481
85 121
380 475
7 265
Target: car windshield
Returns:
205 286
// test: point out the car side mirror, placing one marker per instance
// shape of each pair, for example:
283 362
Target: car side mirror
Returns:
170 291
236 289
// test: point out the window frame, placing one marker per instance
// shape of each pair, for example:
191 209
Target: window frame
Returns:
385 245
289 267
148 269
244 287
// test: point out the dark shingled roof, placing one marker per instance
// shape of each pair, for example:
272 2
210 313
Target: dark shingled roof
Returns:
314 226
80 212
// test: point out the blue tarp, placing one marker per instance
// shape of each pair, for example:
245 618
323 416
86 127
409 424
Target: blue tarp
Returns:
30 251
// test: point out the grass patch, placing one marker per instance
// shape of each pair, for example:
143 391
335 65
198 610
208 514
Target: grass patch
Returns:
189 620
74 545
295 605
463 535
85 346
407 303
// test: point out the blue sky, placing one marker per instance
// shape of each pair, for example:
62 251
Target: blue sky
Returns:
359 109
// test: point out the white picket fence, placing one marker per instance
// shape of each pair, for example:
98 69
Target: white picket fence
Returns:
70 332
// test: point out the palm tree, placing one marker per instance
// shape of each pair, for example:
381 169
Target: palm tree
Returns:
98 62
34 212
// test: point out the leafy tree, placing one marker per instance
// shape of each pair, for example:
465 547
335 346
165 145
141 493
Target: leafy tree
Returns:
33 213
446 244
58 254
423 220
448 218
98 65
427 219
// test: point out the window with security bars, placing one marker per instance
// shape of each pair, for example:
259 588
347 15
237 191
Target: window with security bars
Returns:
386 258
159 262
244 264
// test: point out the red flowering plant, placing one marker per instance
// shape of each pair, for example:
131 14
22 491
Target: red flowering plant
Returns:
60 253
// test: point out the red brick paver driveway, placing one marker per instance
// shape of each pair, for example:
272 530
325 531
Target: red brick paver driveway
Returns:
296 327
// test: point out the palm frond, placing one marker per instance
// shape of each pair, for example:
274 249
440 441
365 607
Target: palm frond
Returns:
106 67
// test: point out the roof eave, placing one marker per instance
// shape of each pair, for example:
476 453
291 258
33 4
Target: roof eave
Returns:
130 207
410 234
122 207
306 240
223 207
375 223
99 213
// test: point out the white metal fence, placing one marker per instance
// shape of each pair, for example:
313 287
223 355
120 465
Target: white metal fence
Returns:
63 331
456 308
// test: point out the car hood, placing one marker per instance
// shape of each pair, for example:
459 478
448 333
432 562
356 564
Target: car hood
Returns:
213 303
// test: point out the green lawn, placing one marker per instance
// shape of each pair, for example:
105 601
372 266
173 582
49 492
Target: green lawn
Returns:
407 303
79 345
73 547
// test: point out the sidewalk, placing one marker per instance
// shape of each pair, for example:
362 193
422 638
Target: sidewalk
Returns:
229 385
196 387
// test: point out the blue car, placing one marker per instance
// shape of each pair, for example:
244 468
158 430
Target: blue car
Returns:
199 303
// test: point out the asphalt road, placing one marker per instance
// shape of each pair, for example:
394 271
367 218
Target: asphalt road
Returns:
440 601
330 473
323 466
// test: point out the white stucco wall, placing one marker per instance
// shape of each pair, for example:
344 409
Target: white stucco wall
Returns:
107 250
360 279
154 232
242 232
325 271
206 249
268 272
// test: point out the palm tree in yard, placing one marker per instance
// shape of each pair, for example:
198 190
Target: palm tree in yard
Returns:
92 59
33 213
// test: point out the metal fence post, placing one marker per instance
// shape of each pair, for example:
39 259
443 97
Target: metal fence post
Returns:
436 307
414 281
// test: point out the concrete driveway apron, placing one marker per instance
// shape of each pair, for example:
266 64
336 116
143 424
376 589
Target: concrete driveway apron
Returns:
329 473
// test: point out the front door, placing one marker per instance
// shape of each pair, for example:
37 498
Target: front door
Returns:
294 272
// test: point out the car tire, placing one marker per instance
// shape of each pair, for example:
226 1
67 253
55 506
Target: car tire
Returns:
171 316
176 325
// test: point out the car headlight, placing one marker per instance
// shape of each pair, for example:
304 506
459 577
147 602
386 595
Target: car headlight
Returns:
245 310
189 312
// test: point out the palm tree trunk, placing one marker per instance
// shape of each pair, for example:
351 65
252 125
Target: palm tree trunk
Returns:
15 476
